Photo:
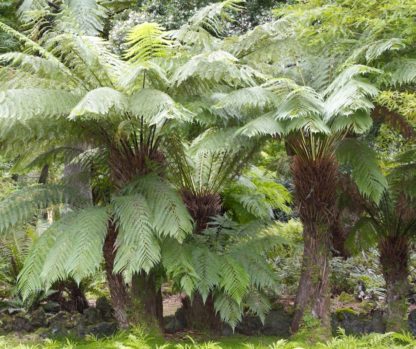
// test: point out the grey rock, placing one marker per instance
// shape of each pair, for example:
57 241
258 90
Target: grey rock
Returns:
51 307
92 316
103 329
103 305
356 324
38 318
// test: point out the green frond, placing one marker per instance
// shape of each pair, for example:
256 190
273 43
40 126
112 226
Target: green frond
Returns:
87 230
258 303
245 101
208 269
300 103
214 140
154 106
145 42
355 95
157 107
206 26
264 125
87 17
45 68
234 278
376 49
100 102
203 71
89 57
151 74
360 122
177 260
22 205
29 282
362 236
137 246
70 247
362 161
403 71
211 16
254 203
29 103
170 216
229 310
348 74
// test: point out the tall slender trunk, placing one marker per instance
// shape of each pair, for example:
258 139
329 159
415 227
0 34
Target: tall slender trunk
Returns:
315 188
200 315
394 259
118 290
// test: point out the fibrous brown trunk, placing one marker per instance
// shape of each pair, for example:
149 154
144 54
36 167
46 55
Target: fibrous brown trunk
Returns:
142 302
200 315
118 290
394 259
139 304
147 291
315 189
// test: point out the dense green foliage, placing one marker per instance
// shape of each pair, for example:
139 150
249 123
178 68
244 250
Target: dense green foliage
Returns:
203 145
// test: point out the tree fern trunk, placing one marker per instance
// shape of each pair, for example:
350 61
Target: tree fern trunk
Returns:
315 188
147 293
118 291
394 259
200 315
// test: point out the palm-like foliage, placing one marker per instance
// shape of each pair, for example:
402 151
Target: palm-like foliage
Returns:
318 106
391 223
228 262
122 112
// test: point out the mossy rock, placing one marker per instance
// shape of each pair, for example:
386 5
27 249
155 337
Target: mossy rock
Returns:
341 313
345 297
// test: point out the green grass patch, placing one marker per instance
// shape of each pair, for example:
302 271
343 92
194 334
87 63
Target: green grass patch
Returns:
138 339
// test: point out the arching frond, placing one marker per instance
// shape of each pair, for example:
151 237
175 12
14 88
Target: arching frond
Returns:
363 164
207 24
28 103
170 216
137 246
245 101
265 125
29 282
206 70
359 122
229 310
100 102
157 107
207 267
87 17
77 250
403 71
145 42
234 279
258 303
24 204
